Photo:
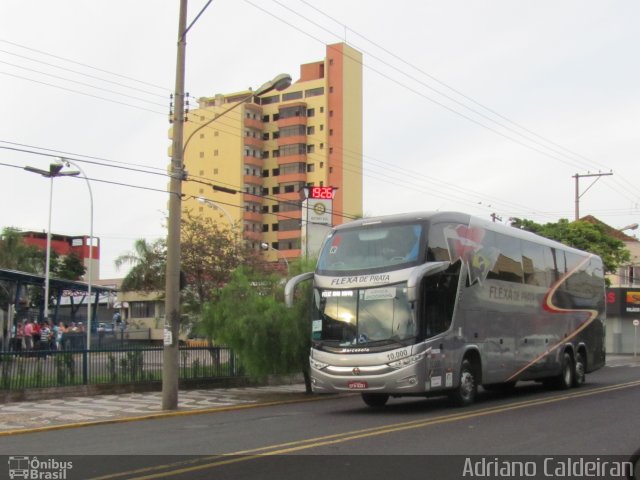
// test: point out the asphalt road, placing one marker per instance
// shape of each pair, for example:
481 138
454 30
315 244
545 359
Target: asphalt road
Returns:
342 438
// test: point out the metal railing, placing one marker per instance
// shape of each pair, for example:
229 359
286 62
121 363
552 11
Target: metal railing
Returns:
116 365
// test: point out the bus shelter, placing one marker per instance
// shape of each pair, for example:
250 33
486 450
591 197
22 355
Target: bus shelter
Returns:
16 288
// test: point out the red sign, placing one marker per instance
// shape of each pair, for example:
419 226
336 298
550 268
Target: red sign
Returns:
325 193
357 385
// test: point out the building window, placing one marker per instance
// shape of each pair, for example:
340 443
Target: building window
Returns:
311 167
275 190
265 118
290 112
215 171
275 172
310 148
141 309
293 149
215 152
295 130
291 96
265 228
314 92
269 100
201 154
311 112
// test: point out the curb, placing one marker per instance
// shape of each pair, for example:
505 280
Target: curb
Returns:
167 414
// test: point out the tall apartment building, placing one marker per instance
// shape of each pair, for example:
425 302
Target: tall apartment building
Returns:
270 147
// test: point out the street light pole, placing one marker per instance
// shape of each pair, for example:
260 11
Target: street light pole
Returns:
171 359
90 267
54 171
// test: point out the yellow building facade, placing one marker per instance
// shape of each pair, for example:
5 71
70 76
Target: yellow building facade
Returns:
268 148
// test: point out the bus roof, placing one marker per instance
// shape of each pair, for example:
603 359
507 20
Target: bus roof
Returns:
456 217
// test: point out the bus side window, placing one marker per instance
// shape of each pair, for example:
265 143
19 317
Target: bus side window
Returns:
438 300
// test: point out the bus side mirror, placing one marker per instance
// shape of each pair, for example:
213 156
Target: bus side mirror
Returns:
413 284
290 287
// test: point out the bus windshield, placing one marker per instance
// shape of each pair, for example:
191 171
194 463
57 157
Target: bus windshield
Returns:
371 249
362 316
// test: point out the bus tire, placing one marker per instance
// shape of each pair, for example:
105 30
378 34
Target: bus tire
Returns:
375 399
579 370
465 393
567 373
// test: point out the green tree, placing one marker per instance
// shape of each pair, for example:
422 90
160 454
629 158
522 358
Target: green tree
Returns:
70 267
249 315
15 254
588 236
148 261
209 254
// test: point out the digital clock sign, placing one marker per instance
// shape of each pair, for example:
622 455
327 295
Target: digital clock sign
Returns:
325 193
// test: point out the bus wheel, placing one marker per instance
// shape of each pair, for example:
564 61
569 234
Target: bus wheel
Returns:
565 379
465 394
579 371
375 399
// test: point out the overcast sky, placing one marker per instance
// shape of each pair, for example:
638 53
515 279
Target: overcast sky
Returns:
478 106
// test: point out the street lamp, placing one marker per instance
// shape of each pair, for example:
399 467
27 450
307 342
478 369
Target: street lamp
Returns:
54 171
633 226
266 246
214 205
90 268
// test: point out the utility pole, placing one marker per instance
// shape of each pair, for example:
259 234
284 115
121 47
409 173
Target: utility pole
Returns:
578 195
171 358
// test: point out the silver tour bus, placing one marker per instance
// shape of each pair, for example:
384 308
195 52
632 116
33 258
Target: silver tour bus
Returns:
442 302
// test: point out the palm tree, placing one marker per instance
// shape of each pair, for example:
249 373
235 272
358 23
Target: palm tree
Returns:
148 262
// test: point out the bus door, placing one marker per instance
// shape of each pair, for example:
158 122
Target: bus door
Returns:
439 293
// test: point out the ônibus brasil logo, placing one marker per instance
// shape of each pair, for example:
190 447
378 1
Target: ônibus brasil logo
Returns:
37 469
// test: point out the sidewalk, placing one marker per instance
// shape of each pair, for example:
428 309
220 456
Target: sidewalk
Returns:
67 412
70 412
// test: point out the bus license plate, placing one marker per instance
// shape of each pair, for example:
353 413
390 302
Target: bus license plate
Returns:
357 385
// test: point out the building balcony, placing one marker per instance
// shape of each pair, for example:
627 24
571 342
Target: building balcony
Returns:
250 197
289 197
252 180
292 177
254 161
254 142
257 124
292 139
257 236
291 121
288 234
299 158
253 216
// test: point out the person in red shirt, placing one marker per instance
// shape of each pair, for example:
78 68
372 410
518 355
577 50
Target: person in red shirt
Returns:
28 335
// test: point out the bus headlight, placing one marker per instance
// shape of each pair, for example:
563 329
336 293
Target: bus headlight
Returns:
406 361
316 364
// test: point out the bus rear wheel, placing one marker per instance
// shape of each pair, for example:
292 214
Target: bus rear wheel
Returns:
579 370
465 394
375 399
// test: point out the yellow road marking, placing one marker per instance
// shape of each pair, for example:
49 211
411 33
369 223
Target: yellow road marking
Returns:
299 445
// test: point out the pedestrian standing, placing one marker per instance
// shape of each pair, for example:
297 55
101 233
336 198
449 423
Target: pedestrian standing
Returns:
28 335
